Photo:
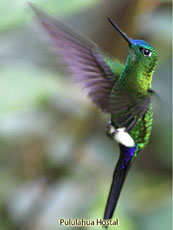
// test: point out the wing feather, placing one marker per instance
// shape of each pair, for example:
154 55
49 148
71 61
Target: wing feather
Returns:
84 58
96 71
130 110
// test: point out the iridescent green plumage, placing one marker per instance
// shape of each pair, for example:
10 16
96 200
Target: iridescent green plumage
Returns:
136 81
124 91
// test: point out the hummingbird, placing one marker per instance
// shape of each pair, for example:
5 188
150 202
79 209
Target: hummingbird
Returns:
121 90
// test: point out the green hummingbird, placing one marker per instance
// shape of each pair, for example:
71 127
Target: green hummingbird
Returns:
122 90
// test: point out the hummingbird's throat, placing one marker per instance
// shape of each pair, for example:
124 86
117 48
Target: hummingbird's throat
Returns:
137 78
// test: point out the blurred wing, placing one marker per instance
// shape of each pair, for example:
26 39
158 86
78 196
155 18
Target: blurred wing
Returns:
130 109
84 58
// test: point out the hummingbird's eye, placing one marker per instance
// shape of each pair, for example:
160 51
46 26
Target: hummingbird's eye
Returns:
146 52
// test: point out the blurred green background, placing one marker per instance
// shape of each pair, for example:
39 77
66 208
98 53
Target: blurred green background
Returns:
55 158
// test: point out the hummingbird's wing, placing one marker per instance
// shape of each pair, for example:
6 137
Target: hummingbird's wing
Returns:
129 109
96 72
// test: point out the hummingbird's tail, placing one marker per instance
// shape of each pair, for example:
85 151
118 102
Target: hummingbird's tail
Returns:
120 173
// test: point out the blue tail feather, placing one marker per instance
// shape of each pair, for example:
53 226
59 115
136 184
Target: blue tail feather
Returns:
120 173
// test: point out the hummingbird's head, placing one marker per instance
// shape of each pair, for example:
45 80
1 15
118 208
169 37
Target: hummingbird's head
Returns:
141 54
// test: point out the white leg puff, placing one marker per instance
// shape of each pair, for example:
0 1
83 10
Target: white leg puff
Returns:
123 137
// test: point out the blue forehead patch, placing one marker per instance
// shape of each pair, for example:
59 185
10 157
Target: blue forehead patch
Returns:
141 43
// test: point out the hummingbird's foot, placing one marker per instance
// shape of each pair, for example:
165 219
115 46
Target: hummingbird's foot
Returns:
110 130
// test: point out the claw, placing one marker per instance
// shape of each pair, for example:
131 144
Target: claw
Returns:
110 130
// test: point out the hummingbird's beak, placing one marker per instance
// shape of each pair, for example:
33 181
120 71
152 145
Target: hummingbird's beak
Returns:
120 31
